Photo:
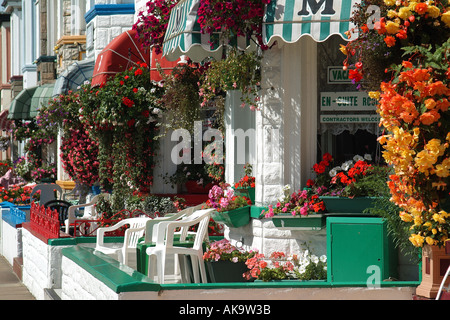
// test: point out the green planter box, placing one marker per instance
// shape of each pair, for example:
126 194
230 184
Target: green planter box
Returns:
234 218
246 192
226 271
348 205
257 212
310 222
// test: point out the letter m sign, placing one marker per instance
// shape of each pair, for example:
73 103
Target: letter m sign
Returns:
314 6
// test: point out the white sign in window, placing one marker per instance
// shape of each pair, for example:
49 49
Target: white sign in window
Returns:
345 101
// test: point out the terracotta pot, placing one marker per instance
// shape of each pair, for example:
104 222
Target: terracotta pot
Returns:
434 265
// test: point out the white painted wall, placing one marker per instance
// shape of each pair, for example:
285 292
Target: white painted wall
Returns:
286 127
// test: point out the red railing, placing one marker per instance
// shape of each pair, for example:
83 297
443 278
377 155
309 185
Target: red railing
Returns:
44 221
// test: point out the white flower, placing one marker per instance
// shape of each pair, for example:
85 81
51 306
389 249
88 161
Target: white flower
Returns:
323 258
347 165
368 157
314 259
334 171
357 157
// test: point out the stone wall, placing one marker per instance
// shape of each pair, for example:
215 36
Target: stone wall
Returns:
261 234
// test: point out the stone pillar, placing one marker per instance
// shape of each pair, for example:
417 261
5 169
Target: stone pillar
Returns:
286 127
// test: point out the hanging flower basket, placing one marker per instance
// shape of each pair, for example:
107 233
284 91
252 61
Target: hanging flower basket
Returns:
348 205
234 218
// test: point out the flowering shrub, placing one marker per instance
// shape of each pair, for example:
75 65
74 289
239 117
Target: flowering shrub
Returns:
152 23
233 18
302 203
303 267
353 178
223 250
123 115
413 108
222 198
78 150
248 181
379 43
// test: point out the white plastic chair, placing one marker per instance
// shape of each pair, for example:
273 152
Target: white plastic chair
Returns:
438 297
165 245
151 227
89 213
47 192
131 237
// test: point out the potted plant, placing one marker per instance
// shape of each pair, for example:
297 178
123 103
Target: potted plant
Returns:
231 210
225 262
279 266
350 187
246 185
301 210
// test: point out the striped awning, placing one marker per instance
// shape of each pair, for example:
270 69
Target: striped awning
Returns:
74 76
26 104
288 20
184 37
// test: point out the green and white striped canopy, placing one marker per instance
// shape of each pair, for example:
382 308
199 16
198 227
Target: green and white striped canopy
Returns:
184 36
288 20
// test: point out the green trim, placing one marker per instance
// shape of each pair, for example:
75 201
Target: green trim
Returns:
79 240
113 274
121 278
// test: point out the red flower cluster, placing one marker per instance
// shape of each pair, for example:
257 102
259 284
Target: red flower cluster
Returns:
239 17
359 169
320 167
152 23
245 182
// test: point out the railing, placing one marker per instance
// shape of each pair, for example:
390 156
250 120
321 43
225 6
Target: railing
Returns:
44 221
88 228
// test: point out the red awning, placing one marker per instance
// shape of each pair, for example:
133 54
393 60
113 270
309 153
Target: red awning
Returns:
165 64
5 123
122 53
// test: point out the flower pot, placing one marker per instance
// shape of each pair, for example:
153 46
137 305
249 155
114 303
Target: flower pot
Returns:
290 222
247 192
226 271
348 205
234 218
193 187
435 262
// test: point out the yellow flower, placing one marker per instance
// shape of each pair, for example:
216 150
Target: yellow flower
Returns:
343 49
443 169
374 94
389 2
433 11
416 240
446 18
438 218
404 13
406 217
392 27
430 241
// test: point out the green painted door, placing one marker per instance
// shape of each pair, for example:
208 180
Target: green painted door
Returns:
357 250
